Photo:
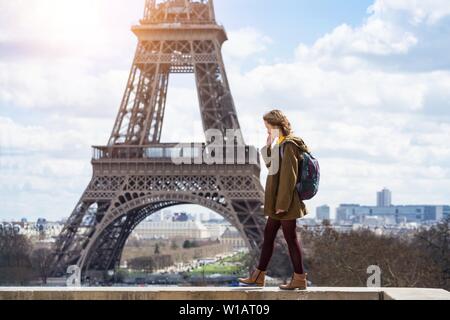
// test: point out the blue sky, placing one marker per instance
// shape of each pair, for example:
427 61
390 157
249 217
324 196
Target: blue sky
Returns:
368 90
291 21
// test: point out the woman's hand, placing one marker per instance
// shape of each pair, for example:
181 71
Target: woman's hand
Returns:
279 211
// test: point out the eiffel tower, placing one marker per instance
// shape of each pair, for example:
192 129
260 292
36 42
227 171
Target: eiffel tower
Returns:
135 175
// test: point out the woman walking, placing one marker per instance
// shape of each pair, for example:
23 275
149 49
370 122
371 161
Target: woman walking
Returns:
282 204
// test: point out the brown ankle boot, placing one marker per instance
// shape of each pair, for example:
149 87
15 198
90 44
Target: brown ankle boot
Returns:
257 278
298 281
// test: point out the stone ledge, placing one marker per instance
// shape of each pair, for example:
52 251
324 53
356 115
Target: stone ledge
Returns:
415 294
212 293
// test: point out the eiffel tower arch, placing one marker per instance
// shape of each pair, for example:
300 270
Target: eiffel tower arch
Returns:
135 175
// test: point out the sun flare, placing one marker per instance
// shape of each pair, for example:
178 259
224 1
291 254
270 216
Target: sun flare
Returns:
65 22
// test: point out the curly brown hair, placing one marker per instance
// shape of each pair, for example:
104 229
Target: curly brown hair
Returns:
277 119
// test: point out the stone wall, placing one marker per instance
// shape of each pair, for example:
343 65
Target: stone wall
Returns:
190 293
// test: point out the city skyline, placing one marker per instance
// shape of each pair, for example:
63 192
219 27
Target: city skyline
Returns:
323 212
365 83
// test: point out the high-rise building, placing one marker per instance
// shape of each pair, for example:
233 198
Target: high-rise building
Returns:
346 212
323 213
446 212
393 214
384 198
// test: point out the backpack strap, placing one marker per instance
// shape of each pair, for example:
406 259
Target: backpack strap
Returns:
282 150
300 163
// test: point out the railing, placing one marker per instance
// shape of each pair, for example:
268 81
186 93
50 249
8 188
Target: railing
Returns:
198 12
185 153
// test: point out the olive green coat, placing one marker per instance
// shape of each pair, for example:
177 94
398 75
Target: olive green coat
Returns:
280 190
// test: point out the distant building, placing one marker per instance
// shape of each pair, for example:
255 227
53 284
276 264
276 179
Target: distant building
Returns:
390 215
384 213
308 222
189 230
161 216
181 217
232 237
216 230
323 213
7 228
384 198
446 212
345 211
41 229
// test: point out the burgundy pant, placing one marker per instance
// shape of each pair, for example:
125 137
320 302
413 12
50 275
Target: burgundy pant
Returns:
290 234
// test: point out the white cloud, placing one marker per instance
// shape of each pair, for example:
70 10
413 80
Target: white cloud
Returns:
57 136
64 87
397 35
418 11
375 37
246 42
42 170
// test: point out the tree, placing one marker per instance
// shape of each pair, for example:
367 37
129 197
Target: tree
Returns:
15 264
150 264
195 244
187 244
280 264
41 262
436 243
142 263
341 259
163 261
42 234
174 245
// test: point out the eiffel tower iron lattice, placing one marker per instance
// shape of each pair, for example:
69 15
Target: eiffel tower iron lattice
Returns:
135 176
